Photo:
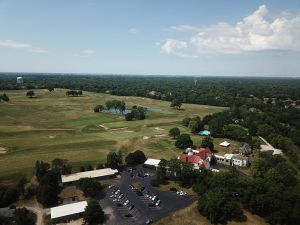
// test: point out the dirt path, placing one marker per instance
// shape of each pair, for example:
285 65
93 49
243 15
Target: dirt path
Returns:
268 147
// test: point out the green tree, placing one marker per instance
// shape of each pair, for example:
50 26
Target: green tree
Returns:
174 132
176 103
30 94
208 142
48 189
135 158
129 116
22 216
41 168
161 171
93 214
265 130
61 166
235 131
186 121
90 187
112 160
184 141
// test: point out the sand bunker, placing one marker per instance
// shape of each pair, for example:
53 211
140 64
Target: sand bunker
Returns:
120 128
160 135
51 136
159 129
146 138
103 126
3 150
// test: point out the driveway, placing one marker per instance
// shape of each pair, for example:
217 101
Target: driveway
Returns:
268 147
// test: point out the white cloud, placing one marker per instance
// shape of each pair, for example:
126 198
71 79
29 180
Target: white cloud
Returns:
172 46
184 27
89 51
132 30
254 33
21 46
157 43
85 53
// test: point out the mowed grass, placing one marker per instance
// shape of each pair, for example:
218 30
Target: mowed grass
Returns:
53 125
191 216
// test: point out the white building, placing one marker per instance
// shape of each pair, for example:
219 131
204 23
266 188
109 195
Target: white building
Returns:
233 160
20 81
240 160
102 173
152 162
225 144
66 213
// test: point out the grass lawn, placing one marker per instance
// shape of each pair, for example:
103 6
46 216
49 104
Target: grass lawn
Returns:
173 184
191 216
53 125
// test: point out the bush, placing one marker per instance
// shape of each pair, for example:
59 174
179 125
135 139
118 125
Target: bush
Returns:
135 158
154 183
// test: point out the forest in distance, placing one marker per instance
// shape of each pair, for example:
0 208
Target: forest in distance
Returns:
218 91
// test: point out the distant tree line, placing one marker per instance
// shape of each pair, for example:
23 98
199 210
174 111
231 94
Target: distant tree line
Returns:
74 93
219 91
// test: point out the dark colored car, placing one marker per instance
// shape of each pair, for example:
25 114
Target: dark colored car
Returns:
151 205
173 189
131 207
128 215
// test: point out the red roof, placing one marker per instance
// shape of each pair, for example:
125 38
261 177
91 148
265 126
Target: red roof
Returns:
204 153
189 158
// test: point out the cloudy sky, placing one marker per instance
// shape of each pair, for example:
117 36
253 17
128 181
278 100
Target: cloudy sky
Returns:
171 37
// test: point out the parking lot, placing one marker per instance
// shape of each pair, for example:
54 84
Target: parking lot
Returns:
132 205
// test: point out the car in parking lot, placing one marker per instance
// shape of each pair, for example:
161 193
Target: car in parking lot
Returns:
126 202
128 215
121 196
153 198
149 221
151 204
131 207
157 203
119 204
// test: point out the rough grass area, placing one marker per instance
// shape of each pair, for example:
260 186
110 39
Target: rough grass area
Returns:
191 216
53 125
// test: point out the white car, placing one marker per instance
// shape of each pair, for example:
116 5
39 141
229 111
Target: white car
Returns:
153 198
157 203
126 202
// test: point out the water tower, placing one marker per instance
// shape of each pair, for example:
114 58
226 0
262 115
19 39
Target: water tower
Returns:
20 81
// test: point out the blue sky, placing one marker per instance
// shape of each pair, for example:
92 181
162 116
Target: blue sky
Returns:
216 37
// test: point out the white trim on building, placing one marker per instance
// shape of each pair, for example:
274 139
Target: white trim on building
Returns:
88 174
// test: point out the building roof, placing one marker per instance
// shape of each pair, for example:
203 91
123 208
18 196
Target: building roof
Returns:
69 209
203 153
88 174
189 158
152 162
240 157
225 144
245 149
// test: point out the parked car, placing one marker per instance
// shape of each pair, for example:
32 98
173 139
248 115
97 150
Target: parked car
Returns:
119 204
149 221
111 186
153 198
121 196
151 205
157 203
173 189
128 215
131 207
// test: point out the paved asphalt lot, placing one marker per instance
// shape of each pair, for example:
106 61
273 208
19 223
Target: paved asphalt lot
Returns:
141 212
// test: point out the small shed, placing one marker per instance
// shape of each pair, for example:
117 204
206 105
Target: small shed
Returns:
152 162
245 150
225 144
